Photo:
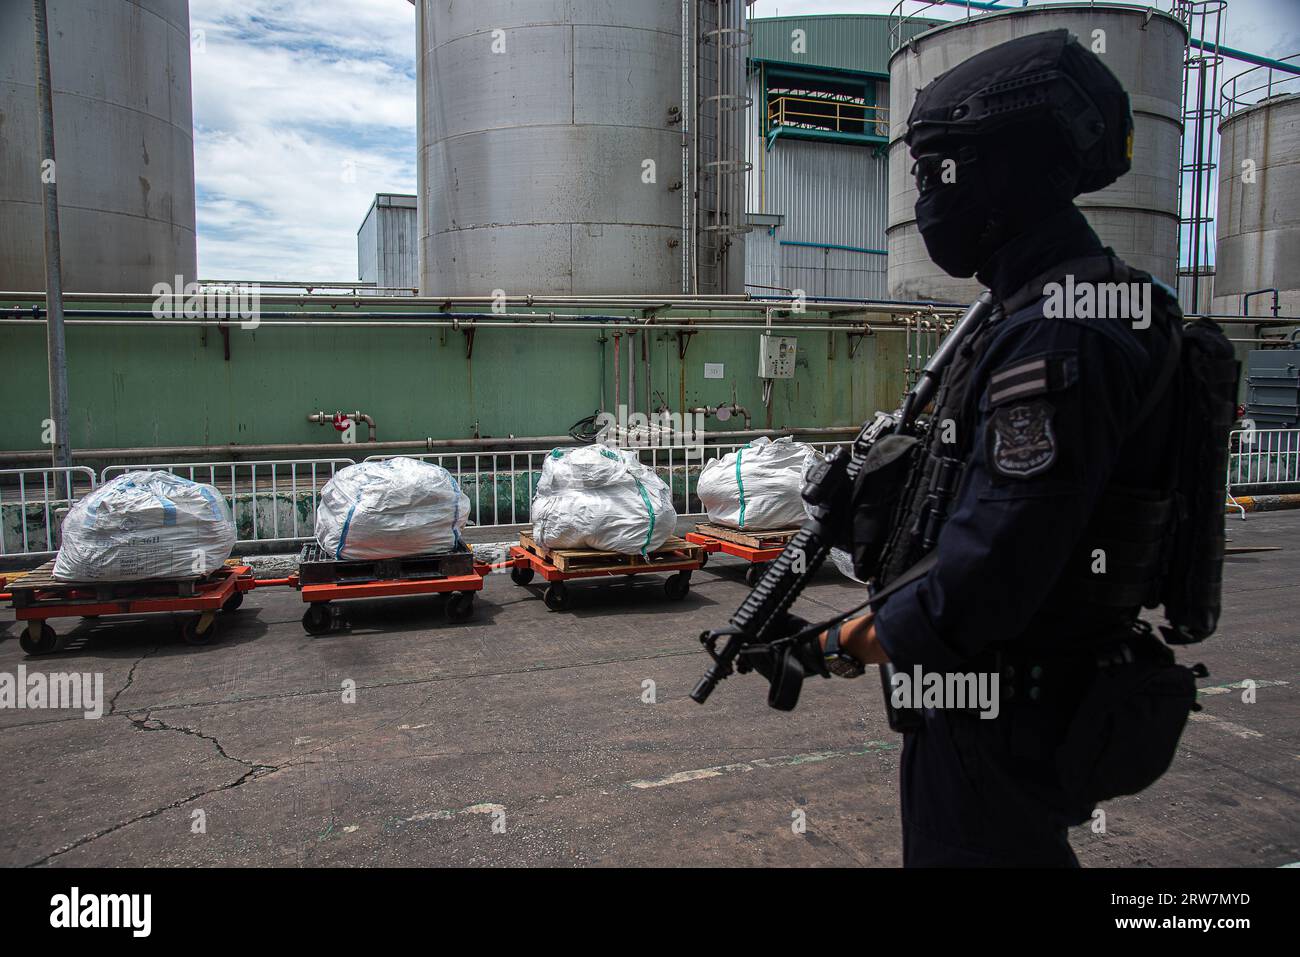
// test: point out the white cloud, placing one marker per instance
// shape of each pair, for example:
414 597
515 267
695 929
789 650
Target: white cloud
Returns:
302 112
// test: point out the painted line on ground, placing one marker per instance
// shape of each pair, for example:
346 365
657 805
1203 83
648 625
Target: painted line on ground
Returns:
1240 730
448 815
1223 724
1241 686
780 761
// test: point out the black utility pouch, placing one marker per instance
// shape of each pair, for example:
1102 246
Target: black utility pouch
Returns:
1126 730
876 495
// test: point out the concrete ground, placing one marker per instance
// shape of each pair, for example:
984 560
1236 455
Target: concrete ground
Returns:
521 737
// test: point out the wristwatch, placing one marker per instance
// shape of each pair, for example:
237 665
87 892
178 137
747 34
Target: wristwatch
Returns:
838 661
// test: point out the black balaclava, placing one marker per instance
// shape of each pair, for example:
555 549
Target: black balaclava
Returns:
1010 137
993 196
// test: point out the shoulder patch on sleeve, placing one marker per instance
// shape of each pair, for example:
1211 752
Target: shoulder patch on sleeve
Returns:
1021 441
1026 378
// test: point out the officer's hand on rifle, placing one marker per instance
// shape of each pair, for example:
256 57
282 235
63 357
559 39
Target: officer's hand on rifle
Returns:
807 651
849 646
844 649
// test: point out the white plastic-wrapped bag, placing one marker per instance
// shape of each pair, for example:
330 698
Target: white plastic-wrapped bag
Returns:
597 497
841 559
389 509
843 563
757 486
145 525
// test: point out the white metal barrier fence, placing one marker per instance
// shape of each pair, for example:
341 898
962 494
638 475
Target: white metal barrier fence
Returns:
275 501
487 478
500 485
30 500
270 500
1263 457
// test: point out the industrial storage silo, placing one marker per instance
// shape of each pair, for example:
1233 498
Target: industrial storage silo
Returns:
552 149
123 128
1258 224
1137 215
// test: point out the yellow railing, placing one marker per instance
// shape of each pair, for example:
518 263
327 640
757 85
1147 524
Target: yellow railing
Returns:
832 115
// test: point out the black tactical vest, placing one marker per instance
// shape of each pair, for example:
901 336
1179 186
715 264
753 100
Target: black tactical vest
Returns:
939 461
1131 525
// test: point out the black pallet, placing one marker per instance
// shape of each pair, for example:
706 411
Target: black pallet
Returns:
315 567
55 591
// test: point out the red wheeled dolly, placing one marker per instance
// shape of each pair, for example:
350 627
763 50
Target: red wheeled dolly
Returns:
757 548
560 565
38 596
324 581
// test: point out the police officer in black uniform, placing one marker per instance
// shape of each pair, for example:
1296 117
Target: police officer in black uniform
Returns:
1058 421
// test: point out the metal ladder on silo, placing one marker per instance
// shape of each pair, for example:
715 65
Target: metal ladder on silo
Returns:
1199 157
720 128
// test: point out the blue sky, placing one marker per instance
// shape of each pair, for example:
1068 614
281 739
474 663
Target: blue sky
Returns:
304 109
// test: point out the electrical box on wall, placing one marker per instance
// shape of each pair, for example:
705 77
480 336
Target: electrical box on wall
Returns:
776 356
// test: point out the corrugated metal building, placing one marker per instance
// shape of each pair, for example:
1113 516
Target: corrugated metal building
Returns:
818 140
388 245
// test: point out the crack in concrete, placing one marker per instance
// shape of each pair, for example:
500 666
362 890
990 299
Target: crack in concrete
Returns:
248 775
130 678
149 723
262 770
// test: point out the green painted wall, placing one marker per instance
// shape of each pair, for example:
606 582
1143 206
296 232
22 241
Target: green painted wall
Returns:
166 386
851 41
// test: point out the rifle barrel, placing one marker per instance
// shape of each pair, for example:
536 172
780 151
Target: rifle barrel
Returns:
928 383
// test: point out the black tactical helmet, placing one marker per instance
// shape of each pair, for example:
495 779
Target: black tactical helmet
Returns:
1045 81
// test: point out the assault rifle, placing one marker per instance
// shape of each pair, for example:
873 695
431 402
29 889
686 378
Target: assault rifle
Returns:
747 642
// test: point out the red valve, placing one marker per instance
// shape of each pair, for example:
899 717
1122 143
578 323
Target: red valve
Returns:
341 422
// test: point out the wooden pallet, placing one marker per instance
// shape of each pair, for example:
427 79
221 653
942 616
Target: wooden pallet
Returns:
315 567
672 552
39 586
751 539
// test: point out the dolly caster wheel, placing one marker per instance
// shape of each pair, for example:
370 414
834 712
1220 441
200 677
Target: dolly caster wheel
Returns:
521 574
677 586
233 602
201 630
460 605
556 596
317 620
704 559
754 572
39 639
